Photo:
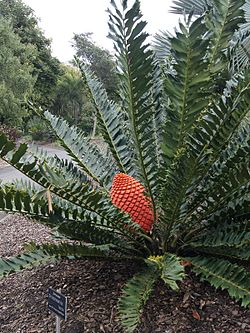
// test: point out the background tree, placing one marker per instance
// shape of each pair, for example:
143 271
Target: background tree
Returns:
71 100
99 60
46 67
16 80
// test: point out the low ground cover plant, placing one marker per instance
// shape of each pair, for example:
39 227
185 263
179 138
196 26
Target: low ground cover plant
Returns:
172 188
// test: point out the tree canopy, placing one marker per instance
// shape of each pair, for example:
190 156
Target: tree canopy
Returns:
71 100
99 60
46 68
16 80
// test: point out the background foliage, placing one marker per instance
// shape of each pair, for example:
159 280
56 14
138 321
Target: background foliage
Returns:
99 60
47 82
71 100
16 79
46 68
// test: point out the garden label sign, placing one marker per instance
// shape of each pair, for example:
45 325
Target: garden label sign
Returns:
57 303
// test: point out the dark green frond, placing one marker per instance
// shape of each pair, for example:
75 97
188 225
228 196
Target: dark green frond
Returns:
7 148
227 14
76 214
188 6
228 198
71 251
23 197
188 87
160 99
80 251
111 123
54 180
232 241
239 51
46 253
86 155
94 234
226 17
24 261
90 200
67 219
172 270
162 45
134 296
222 274
222 148
135 64
189 93
20 201
231 253
64 167
36 196
246 8
169 267
218 125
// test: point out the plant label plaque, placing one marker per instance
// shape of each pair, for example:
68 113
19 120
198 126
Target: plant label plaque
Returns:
57 303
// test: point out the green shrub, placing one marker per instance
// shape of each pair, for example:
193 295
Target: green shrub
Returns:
38 129
10 132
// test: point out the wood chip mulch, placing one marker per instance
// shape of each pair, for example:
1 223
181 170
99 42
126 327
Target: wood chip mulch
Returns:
93 287
16 231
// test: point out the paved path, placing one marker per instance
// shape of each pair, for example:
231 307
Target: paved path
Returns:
2 215
8 173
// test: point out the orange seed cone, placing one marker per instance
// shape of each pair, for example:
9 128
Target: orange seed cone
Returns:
128 195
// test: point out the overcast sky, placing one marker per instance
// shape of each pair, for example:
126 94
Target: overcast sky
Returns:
61 18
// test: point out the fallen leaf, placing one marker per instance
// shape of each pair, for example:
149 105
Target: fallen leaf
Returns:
196 315
185 263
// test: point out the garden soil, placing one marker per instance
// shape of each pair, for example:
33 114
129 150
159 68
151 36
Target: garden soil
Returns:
93 287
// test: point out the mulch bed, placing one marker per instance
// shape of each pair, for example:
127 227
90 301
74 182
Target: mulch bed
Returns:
92 288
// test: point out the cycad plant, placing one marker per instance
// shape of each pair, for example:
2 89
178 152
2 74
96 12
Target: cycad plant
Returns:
171 187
